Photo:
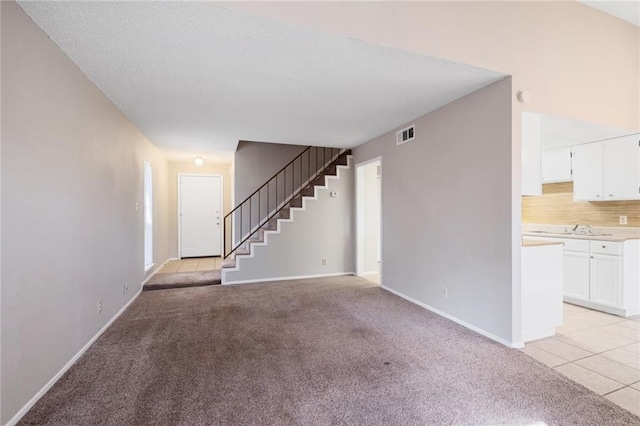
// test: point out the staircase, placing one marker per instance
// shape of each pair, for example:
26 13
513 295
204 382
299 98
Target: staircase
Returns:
259 214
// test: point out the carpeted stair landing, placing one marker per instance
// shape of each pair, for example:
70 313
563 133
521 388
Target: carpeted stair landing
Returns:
183 280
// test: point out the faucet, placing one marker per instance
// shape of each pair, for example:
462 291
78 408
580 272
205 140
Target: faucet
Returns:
575 228
588 230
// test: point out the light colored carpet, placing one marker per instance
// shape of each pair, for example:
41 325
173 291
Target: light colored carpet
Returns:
183 279
337 351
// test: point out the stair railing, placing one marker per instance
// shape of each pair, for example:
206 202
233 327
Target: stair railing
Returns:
267 201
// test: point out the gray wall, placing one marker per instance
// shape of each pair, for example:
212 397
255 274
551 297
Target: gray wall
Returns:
72 173
255 162
447 209
324 230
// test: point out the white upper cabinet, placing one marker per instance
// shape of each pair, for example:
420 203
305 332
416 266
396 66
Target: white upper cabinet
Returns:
556 165
622 168
607 171
588 172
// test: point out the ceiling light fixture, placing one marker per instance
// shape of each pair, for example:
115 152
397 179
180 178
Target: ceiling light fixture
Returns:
199 161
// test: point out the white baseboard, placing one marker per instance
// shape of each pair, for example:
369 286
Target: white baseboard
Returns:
299 277
68 365
456 320
369 273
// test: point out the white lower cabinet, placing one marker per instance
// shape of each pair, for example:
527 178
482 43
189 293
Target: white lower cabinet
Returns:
576 275
602 275
605 282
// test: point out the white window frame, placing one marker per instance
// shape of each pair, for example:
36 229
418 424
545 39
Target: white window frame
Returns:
148 216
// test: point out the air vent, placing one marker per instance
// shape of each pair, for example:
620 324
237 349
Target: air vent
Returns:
406 135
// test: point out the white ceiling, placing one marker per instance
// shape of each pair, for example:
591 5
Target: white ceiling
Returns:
556 132
196 78
628 10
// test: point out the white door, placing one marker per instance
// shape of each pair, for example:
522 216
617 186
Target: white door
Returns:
369 212
587 172
605 280
576 275
200 211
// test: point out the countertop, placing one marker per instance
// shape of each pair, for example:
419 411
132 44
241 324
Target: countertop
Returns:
602 234
533 243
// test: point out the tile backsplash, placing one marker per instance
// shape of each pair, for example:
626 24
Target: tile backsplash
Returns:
556 207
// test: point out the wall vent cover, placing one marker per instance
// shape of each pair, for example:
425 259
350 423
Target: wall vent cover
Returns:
405 135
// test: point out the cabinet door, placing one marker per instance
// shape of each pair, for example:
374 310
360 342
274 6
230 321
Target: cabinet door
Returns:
622 168
587 172
606 283
576 275
556 165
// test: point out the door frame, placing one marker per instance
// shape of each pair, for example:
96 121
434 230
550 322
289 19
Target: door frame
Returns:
179 248
360 215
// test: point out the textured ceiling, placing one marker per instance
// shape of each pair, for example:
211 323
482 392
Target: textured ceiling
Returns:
627 10
196 78
556 132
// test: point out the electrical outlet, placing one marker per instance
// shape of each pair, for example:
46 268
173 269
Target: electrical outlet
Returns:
324 262
99 307
445 292
623 220
126 288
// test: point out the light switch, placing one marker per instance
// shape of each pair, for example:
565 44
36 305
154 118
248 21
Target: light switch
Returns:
334 194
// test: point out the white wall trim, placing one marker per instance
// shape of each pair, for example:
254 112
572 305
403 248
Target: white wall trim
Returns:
359 255
69 364
456 320
292 210
298 277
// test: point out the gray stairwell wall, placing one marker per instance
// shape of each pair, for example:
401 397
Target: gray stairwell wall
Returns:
256 162
447 209
324 230
72 173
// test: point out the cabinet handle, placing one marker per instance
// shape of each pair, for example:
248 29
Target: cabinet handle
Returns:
592 257
597 196
610 195
604 246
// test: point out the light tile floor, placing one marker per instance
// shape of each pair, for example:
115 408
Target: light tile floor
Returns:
191 265
597 350
374 278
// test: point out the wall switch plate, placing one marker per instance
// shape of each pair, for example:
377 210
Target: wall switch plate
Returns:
99 307
324 262
126 288
445 292
334 194
623 220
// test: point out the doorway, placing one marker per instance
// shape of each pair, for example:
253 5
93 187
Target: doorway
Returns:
199 215
369 220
